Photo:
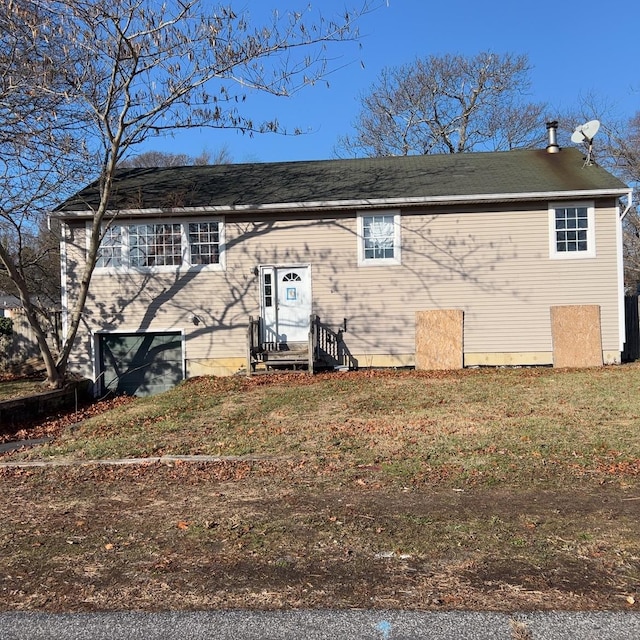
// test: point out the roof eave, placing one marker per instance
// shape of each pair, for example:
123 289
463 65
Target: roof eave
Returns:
356 203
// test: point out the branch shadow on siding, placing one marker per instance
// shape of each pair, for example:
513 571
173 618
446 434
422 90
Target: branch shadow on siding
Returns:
206 302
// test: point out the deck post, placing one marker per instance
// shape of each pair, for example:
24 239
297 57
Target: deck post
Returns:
249 346
313 337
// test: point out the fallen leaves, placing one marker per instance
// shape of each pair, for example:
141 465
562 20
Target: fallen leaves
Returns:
53 425
520 631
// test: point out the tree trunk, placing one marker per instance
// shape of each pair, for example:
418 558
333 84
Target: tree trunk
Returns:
55 378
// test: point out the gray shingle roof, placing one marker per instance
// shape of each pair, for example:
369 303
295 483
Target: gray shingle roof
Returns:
428 177
9 302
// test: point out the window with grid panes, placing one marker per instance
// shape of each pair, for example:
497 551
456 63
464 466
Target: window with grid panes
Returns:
379 238
164 245
571 230
204 242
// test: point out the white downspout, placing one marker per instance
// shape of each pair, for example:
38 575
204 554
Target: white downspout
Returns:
64 296
621 301
629 204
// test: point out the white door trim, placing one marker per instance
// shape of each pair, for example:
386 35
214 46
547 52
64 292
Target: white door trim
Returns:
282 322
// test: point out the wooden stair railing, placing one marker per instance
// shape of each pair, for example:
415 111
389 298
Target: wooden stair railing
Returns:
253 343
325 348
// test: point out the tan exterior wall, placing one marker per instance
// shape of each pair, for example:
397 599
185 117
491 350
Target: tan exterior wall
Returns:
494 266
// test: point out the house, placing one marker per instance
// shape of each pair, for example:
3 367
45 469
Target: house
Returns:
437 261
8 305
19 344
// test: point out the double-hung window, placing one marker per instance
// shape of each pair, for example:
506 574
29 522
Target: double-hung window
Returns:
379 238
572 230
110 251
162 245
204 242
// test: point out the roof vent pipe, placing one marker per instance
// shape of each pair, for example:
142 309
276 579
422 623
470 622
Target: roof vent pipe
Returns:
552 128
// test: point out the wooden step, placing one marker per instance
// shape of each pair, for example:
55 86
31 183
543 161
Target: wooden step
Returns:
283 357
295 357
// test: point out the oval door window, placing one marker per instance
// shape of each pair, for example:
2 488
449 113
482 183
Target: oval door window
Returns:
291 277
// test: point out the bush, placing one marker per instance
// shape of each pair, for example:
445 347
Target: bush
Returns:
6 327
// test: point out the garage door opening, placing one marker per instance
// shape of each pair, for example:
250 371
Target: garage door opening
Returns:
140 364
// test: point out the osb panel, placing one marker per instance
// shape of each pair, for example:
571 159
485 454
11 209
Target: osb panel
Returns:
439 339
577 336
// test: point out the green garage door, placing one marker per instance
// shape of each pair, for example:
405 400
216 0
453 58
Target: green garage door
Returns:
140 364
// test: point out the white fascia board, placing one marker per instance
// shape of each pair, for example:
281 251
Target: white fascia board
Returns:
334 205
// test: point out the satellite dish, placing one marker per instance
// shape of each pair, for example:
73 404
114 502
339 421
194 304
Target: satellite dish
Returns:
585 132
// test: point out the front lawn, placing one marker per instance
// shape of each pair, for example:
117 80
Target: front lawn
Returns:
498 423
501 489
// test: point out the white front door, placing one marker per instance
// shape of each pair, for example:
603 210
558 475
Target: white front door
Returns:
286 303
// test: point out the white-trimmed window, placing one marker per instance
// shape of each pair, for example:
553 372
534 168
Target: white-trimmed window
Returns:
155 245
204 242
162 245
379 238
110 251
572 230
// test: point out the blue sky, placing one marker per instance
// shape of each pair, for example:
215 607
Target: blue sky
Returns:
574 47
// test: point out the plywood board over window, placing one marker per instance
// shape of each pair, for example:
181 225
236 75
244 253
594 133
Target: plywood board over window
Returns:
577 336
439 335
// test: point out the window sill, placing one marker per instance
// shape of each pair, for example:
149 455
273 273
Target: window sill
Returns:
158 269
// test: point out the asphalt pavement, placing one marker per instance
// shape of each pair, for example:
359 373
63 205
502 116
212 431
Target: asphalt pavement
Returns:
320 625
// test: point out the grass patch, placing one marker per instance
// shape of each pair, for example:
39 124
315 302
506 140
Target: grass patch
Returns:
501 489
12 389
272 535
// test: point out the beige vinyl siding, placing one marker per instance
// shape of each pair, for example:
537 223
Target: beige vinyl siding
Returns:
494 265
168 301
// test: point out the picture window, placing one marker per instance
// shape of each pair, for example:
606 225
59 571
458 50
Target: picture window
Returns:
161 245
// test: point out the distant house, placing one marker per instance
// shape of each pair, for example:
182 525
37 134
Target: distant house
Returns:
8 305
22 344
437 261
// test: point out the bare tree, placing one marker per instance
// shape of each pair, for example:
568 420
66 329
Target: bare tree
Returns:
85 81
616 147
447 104
39 260
167 159
39 160
619 150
